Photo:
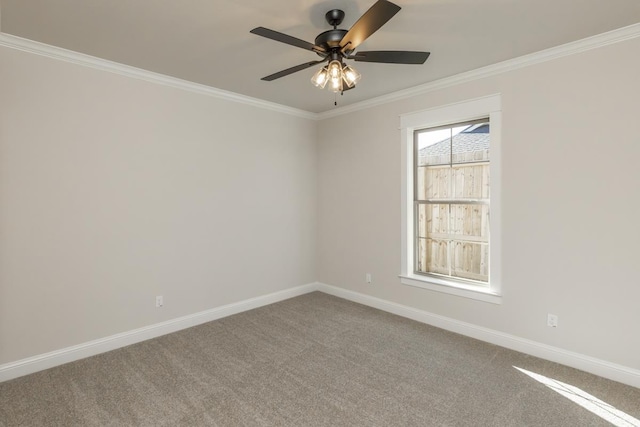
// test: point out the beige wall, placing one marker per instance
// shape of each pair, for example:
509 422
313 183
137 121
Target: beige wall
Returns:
114 190
571 214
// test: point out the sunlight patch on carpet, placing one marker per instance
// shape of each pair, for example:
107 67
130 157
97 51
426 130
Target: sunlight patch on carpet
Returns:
587 401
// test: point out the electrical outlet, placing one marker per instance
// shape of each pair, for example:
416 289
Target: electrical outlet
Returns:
367 277
552 320
159 301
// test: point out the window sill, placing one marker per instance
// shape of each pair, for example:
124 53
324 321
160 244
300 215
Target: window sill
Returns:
452 288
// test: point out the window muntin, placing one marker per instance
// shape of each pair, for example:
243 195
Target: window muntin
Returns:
452 201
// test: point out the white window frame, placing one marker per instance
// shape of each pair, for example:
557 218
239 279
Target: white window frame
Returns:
490 106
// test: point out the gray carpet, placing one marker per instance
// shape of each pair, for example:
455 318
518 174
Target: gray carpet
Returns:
314 360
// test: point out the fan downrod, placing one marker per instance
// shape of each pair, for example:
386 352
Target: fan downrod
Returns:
334 17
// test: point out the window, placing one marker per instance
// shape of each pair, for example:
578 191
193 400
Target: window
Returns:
451 215
451 201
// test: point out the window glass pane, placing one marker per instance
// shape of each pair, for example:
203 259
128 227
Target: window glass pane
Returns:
433 220
470 181
470 222
421 220
433 239
470 260
433 182
432 256
421 256
421 183
434 147
470 143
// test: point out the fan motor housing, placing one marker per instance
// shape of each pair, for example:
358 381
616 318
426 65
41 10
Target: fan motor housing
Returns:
330 39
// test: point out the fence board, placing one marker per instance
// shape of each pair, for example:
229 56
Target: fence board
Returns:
453 237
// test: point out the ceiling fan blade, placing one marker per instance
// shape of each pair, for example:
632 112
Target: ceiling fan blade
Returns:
391 56
374 18
283 38
291 70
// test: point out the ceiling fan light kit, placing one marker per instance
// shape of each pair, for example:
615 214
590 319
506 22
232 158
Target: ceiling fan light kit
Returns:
341 76
337 45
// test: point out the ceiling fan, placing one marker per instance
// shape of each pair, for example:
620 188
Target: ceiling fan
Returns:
336 45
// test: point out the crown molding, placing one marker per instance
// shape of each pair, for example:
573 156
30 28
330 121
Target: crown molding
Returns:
58 53
572 48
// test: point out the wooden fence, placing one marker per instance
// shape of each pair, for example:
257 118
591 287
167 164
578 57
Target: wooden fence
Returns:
453 220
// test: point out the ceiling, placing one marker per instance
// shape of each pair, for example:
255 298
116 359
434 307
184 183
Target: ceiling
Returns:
208 41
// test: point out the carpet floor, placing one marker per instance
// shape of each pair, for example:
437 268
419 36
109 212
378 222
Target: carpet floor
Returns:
314 360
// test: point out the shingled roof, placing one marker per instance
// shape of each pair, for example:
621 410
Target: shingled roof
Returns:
474 138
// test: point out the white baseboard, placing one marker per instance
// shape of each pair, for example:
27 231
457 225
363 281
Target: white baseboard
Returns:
595 366
40 362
